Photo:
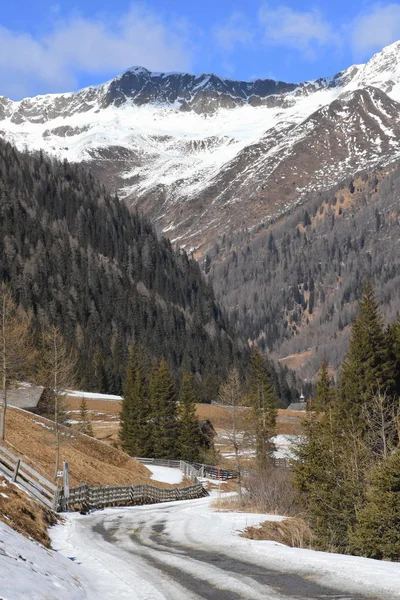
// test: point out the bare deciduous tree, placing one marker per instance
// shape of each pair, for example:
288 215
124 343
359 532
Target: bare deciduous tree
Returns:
231 394
57 372
16 347
380 414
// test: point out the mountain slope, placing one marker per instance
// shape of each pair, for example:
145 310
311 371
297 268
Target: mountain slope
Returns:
78 258
202 154
294 285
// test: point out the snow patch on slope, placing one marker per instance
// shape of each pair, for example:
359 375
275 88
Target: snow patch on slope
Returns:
30 572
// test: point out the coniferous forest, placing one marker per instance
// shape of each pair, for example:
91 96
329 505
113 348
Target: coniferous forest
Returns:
78 258
347 464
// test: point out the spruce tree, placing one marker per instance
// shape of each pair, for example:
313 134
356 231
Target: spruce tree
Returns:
189 433
377 531
367 368
264 407
135 416
163 412
323 390
85 425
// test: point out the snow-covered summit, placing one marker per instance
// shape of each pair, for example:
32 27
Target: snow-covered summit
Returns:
184 147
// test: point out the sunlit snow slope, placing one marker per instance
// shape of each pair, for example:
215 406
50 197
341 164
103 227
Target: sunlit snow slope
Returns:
201 154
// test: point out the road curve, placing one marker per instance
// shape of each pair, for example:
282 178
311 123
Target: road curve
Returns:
154 553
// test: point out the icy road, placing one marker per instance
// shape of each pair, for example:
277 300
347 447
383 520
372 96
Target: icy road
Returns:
187 550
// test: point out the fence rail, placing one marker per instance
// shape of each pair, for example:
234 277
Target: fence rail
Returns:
32 481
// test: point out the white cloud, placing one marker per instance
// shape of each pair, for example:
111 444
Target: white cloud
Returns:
96 46
235 31
299 30
378 27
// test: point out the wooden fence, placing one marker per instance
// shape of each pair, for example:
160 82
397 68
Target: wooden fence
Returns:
201 470
38 486
99 497
194 468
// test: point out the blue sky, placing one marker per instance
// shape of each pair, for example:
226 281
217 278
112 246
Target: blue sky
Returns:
62 46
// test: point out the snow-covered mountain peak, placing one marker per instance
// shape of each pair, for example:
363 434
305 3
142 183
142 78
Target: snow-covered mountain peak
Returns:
184 147
382 70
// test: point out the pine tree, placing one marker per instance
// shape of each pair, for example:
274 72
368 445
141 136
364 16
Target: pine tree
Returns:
189 433
377 531
264 407
135 416
163 412
85 425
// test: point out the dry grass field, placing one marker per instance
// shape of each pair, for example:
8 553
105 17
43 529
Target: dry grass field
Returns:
90 460
288 422
104 416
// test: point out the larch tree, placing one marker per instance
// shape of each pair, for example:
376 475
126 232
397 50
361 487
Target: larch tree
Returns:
57 366
189 433
17 350
231 394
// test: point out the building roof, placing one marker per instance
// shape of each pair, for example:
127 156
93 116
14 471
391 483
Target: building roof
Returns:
26 397
297 406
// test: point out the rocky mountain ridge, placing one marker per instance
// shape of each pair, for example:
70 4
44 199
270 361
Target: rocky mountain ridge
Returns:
202 155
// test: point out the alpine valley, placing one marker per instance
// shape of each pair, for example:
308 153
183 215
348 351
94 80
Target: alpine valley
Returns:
286 193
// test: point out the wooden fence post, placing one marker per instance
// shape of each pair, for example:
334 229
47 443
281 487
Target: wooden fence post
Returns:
16 469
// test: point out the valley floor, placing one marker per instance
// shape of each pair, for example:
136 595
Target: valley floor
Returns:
188 550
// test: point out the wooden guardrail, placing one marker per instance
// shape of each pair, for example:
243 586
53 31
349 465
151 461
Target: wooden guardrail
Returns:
33 482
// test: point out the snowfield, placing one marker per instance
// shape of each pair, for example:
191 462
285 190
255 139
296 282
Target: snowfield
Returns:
165 474
91 395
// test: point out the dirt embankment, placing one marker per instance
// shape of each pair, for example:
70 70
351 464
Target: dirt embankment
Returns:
25 515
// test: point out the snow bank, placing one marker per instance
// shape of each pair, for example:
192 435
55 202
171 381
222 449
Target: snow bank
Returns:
30 572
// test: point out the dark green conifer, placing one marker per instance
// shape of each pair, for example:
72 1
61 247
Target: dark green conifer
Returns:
264 407
135 417
367 368
189 432
85 425
323 390
163 412
377 532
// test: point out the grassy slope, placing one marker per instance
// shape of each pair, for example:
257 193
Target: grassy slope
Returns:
90 460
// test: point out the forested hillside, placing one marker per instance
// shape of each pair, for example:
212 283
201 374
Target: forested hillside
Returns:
78 258
294 286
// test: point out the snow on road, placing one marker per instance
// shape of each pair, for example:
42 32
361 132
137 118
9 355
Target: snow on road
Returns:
187 550
165 474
